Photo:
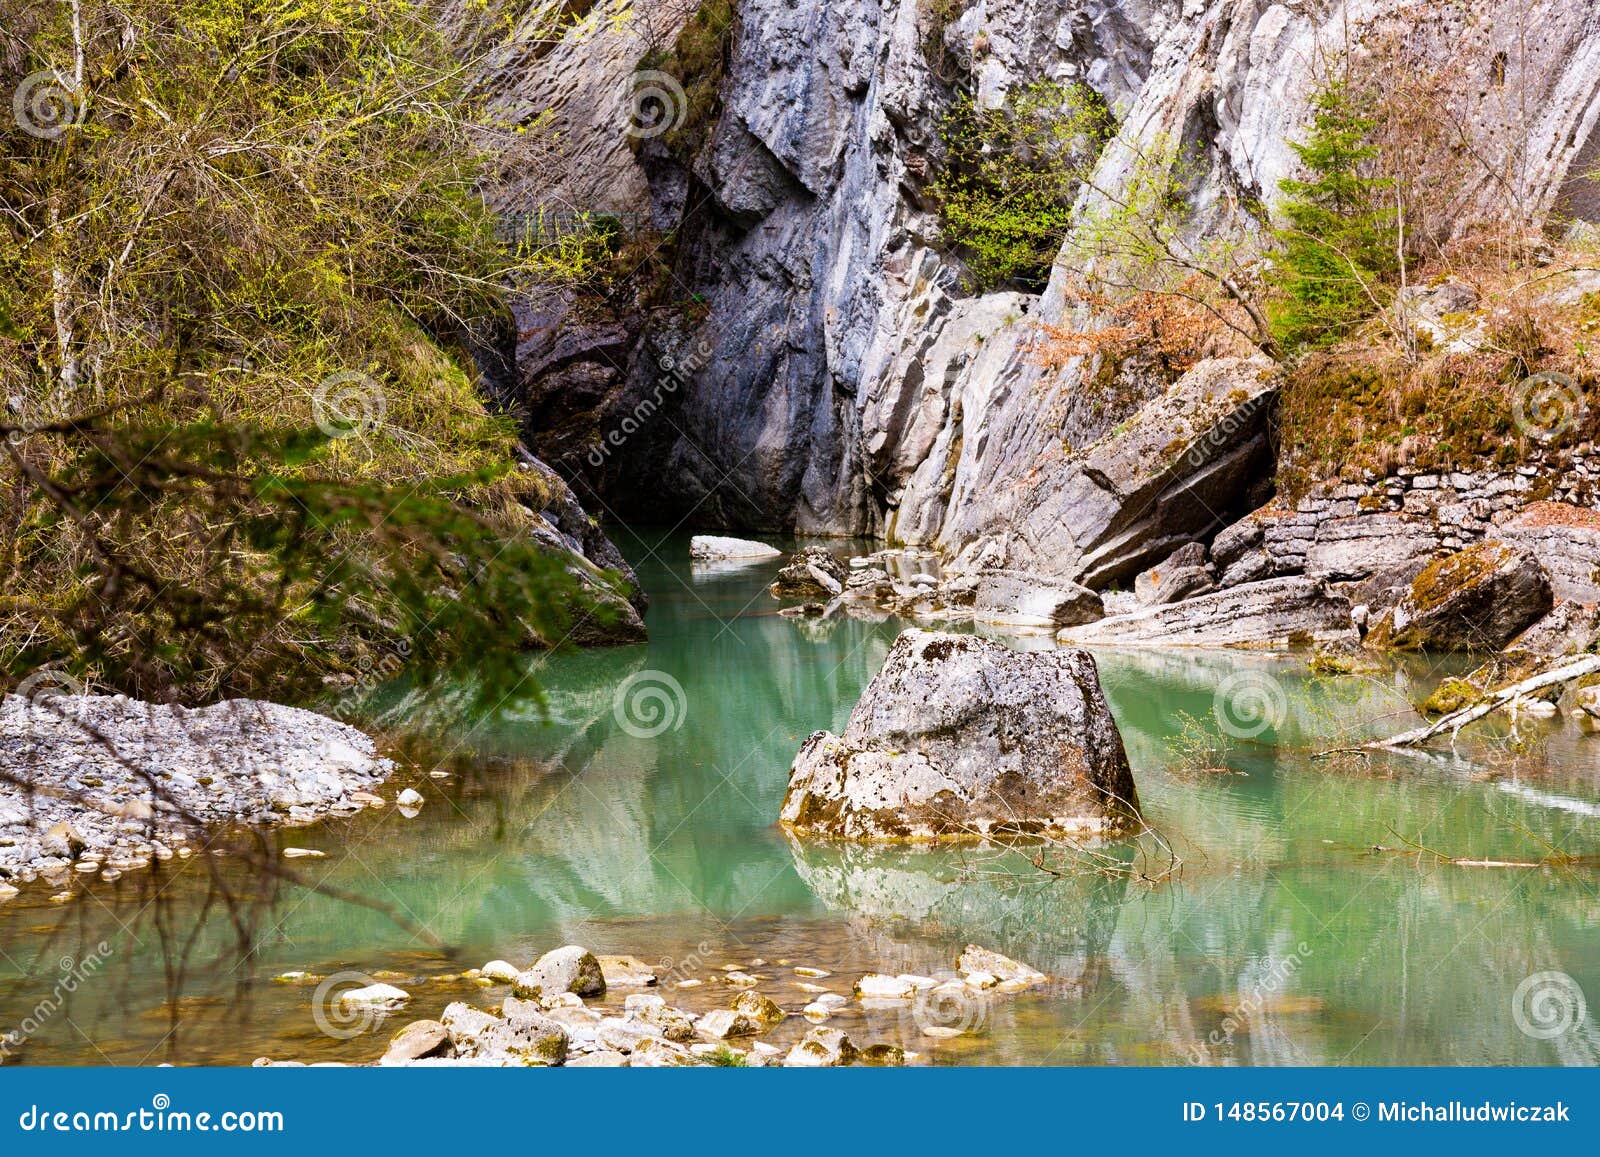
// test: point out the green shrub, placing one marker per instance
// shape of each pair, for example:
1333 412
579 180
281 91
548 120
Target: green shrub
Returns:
1011 174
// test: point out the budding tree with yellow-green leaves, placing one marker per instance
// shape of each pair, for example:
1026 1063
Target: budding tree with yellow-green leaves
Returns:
239 443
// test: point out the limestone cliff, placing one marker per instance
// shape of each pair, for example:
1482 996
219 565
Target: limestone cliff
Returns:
843 380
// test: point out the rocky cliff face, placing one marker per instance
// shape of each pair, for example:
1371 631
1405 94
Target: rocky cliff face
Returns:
843 381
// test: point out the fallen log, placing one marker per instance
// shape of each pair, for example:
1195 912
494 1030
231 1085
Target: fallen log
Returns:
1456 720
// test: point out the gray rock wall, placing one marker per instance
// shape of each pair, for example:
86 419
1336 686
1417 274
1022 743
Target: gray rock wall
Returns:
851 385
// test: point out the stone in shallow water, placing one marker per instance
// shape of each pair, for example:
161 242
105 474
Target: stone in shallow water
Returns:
887 1055
714 548
1012 598
568 969
757 1007
720 1023
500 970
961 736
626 972
876 985
821 1048
420 1038
1274 612
984 960
655 1053
522 1038
377 995
671 1023
811 573
1479 598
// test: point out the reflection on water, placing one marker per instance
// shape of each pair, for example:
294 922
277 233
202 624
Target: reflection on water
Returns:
1313 922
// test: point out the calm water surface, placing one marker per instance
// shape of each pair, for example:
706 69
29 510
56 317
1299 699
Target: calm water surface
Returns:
1312 920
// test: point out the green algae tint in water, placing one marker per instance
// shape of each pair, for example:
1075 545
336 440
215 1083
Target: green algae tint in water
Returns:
1307 925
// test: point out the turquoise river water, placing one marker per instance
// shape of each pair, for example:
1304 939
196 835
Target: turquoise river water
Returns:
1315 918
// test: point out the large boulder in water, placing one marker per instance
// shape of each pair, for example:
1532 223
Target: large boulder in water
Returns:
1476 599
962 736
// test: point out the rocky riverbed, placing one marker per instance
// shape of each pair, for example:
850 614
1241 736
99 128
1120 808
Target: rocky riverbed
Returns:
563 1009
102 784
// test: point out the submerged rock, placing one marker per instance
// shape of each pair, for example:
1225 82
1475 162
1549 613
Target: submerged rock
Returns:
626 972
962 736
1479 598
